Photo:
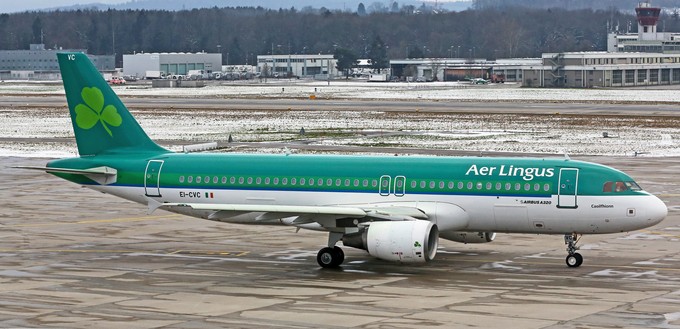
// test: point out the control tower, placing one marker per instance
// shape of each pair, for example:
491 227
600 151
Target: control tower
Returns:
647 17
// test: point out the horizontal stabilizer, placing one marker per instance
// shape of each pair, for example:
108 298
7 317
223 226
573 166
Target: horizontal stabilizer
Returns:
101 175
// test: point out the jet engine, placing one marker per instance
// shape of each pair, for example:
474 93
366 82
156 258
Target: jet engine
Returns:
468 237
404 241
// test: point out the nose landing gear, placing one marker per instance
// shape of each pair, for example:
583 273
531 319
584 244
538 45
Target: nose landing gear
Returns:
574 259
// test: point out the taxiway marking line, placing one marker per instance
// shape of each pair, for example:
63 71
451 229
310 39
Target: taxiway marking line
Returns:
99 221
121 251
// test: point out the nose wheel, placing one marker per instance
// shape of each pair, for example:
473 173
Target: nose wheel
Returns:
574 259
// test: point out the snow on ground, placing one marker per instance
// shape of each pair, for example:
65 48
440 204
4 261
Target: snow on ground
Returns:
374 90
549 134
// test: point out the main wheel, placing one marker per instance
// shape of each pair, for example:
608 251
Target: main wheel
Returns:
340 255
330 257
574 260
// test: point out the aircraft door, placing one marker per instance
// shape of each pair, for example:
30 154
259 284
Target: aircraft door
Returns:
568 188
152 178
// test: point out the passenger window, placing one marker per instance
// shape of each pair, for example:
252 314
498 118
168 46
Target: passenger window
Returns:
207 179
284 181
293 181
250 180
546 187
258 181
498 186
224 180
241 180
537 187
181 179
190 179
414 184
329 182
198 179
267 180
320 182
479 185
215 179
338 182
488 186
469 185
365 183
423 184
527 187
441 185
311 182
460 185
232 180
356 182
276 181
450 185
508 186
374 183
346 182
302 181
518 186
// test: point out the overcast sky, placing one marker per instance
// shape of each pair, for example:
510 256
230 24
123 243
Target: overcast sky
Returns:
9 6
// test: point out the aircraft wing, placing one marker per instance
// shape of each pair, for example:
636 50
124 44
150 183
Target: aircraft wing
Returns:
326 216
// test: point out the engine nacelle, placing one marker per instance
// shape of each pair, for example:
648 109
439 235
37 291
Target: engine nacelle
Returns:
468 237
404 241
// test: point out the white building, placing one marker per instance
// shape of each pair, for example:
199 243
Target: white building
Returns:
170 63
647 39
319 66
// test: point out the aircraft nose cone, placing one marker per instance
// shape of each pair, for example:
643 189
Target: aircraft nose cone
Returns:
656 210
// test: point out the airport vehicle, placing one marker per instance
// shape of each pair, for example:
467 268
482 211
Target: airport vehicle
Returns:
479 81
396 208
154 75
117 81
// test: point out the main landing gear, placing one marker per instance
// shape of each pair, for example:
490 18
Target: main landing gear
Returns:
331 256
574 259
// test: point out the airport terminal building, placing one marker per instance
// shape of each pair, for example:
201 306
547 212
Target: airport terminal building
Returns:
39 63
603 69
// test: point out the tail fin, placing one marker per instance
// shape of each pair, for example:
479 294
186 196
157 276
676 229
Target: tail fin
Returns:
101 123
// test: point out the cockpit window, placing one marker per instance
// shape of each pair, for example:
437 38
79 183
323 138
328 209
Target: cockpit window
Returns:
633 186
615 187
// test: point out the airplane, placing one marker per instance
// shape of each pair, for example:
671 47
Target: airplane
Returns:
395 208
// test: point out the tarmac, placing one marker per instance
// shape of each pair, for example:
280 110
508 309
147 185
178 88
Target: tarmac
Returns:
75 258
